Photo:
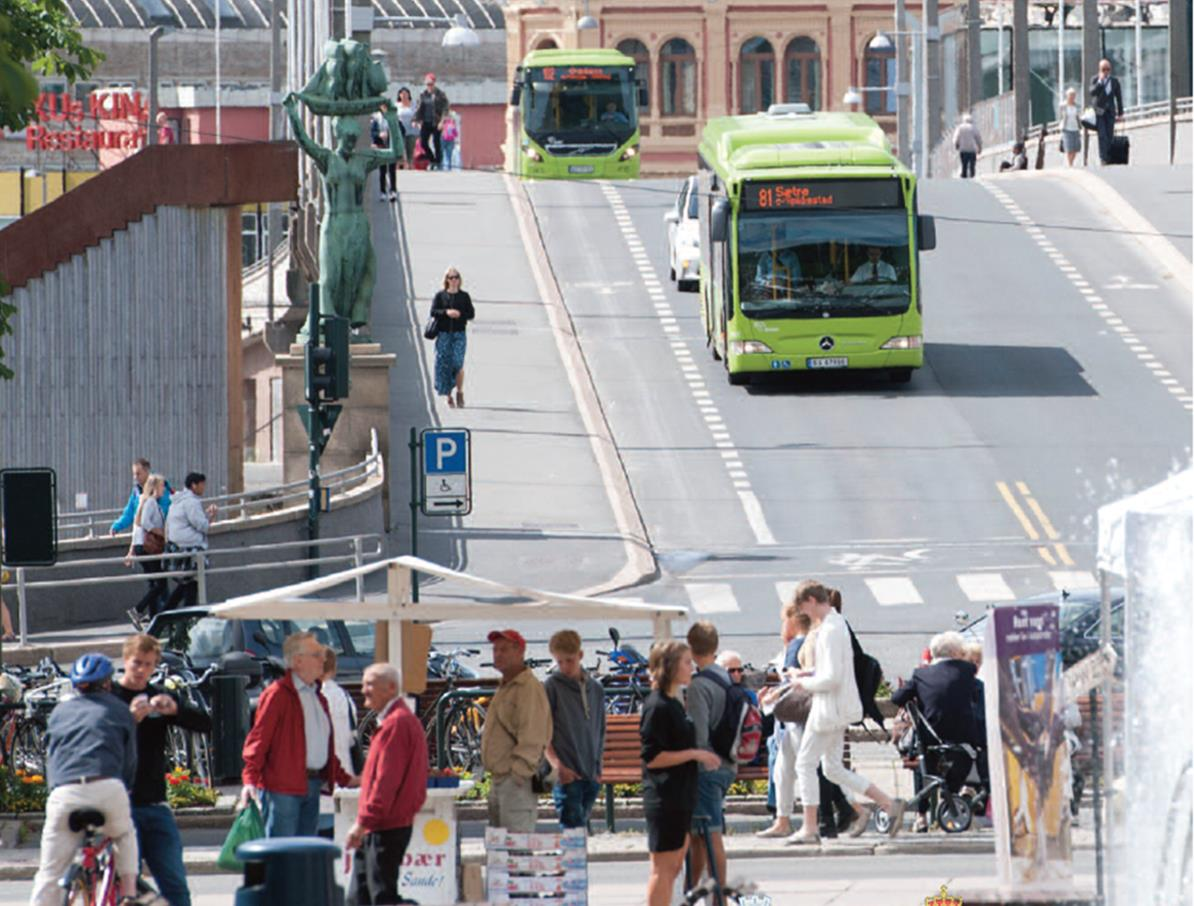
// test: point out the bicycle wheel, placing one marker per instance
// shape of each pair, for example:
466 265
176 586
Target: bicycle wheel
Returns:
953 813
200 757
78 888
177 753
462 737
29 747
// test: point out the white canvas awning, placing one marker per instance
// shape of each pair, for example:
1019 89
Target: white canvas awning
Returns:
1174 496
496 603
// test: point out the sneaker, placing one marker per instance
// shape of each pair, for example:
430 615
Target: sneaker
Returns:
381 197
921 826
393 196
860 823
135 618
800 838
896 815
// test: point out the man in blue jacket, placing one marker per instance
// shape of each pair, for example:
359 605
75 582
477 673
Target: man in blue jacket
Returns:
140 474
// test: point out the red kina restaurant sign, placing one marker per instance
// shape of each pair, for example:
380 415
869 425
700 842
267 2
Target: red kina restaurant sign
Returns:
60 122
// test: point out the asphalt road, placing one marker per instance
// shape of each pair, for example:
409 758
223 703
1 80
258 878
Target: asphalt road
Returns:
977 482
841 880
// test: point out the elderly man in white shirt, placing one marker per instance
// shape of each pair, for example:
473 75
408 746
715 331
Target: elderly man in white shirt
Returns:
835 705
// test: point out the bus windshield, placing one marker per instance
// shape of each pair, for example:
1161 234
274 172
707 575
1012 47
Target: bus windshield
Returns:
580 105
811 265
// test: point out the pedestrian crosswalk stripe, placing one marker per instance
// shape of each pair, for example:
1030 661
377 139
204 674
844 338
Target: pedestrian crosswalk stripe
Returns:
712 597
1072 579
984 587
890 591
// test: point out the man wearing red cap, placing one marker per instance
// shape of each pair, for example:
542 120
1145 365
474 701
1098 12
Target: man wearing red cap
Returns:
429 113
516 733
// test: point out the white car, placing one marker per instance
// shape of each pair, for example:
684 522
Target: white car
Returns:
684 237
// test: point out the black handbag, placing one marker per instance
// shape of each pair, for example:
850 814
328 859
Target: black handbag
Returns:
431 328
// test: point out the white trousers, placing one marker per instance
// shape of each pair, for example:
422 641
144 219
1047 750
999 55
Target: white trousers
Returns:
59 843
786 747
825 749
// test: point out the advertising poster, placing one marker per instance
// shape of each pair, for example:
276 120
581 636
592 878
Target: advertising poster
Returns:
1026 739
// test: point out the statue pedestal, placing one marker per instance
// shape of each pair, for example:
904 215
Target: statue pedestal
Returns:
366 409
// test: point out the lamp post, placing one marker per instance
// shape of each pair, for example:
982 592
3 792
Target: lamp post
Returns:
587 22
460 31
155 35
910 154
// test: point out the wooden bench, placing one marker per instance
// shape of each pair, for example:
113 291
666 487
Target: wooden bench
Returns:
621 763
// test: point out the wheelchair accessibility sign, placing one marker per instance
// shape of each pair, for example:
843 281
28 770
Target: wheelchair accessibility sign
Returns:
447 471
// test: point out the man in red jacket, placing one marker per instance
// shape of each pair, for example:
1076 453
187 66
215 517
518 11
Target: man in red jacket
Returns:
289 756
393 789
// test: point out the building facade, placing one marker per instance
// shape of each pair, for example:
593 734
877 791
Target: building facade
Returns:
700 60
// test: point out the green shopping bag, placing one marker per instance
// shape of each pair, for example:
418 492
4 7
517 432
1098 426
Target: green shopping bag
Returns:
247 826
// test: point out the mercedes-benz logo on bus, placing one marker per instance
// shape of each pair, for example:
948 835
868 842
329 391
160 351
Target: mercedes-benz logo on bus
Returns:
826 343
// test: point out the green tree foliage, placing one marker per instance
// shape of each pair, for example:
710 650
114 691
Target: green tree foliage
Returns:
7 312
37 36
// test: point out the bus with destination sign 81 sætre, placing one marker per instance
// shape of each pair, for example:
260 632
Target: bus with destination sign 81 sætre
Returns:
809 245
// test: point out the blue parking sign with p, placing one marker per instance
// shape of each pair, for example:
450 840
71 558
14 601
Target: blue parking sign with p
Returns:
445 452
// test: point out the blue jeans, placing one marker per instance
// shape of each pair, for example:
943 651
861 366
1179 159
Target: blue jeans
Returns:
161 848
574 801
771 747
712 787
292 816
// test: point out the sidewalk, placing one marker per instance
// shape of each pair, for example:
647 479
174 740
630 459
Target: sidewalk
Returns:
543 512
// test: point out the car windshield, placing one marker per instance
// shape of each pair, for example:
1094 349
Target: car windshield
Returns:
276 631
202 639
694 197
361 634
817 264
569 105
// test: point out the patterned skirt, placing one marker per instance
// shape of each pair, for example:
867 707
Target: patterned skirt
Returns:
449 359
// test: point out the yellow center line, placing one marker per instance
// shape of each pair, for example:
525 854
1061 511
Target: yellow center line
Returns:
1046 555
1050 531
1064 554
1017 511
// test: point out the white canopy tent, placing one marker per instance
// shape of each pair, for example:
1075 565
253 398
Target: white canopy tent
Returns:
509 604
1173 496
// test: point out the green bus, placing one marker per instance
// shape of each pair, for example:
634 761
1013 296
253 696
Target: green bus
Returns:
809 243
577 115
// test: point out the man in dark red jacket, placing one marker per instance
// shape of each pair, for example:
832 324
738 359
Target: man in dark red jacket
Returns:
393 789
289 756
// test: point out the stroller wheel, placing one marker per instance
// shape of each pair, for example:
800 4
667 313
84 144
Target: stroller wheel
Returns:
882 821
953 814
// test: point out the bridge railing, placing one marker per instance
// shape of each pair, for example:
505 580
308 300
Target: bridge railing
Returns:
239 507
344 551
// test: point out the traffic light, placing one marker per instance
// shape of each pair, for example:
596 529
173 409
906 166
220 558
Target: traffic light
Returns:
327 364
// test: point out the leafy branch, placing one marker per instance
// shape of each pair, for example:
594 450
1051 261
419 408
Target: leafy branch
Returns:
7 312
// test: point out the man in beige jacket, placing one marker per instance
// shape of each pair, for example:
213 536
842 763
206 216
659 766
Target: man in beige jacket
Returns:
517 730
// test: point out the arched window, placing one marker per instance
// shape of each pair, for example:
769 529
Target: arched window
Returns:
757 81
546 44
677 78
802 68
879 71
637 51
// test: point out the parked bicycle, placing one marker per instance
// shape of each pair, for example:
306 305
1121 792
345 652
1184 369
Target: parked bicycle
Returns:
627 683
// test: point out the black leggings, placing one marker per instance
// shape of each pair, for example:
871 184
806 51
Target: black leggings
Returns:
387 170
429 136
152 601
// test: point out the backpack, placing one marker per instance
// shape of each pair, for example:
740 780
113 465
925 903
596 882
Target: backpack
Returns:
738 735
868 675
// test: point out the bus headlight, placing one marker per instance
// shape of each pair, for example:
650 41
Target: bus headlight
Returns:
630 152
746 347
903 343
534 155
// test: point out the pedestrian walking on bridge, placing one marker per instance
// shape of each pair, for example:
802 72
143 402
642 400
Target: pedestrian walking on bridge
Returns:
1108 102
969 144
452 309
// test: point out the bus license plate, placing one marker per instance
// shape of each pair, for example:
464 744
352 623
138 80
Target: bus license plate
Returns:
580 168
831 362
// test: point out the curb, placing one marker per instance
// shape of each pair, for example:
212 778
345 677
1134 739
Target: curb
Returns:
640 566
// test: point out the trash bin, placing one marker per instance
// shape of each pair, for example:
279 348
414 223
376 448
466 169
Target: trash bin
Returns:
230 713
295 871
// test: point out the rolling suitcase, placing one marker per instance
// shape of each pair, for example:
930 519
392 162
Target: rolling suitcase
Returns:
1118 152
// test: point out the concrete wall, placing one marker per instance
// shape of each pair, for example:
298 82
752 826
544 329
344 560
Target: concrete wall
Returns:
117 357
57 609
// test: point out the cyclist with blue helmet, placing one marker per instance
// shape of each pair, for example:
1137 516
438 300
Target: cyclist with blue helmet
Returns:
91 742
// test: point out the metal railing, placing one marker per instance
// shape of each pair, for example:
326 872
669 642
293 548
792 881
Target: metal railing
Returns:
945 158
239 507
358 549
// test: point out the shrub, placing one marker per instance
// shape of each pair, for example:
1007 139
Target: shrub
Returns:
183 790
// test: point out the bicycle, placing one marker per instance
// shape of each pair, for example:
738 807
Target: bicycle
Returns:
186 748
91 878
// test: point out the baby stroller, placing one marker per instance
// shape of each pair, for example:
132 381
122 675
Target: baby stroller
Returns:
945 768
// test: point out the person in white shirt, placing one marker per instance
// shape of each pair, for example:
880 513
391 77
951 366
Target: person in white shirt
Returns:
835 705
874 269
344 718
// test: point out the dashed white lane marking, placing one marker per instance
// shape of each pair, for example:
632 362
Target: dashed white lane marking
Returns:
711 597
1072 579
984 587
696 385
1092 297
892 591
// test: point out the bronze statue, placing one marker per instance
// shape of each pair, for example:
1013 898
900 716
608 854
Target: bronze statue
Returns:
347 263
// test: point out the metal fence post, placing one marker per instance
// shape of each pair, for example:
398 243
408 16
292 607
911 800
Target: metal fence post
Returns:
22 613
201 575
357 562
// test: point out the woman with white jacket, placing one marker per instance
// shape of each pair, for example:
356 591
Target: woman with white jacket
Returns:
835 705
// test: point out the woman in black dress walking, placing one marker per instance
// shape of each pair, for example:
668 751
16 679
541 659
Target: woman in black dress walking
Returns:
670 760
452 309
